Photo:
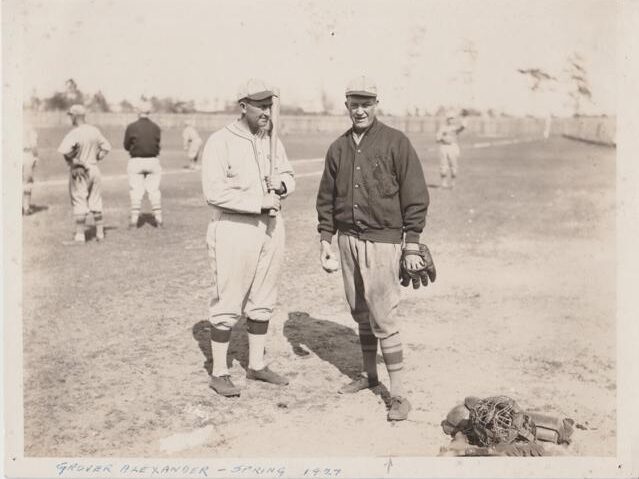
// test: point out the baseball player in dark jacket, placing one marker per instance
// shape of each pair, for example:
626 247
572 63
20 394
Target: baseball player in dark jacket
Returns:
373 195
142 141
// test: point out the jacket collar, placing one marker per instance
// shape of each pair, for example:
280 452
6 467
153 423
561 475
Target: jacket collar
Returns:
238 128
376 125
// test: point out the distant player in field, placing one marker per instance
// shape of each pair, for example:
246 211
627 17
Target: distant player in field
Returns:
449 149
83 147
29 162
192 142
142 141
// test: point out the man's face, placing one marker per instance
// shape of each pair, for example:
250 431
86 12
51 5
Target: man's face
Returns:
361 110
257 113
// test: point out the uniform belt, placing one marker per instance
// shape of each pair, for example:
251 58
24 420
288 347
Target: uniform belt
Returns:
240 213
229 212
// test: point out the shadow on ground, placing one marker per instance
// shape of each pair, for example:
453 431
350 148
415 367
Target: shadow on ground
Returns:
90 233
238 347
146 218
34 209
331 342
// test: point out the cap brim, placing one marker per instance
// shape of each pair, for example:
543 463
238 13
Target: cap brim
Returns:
262 95
361 93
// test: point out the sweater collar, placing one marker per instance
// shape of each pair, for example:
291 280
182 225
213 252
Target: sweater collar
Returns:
238 128
371 129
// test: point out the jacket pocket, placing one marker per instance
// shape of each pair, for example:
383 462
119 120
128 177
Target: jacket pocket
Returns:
385 195
385 179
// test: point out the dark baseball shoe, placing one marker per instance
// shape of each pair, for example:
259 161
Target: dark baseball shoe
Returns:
362 382
266 375
224 386
399 409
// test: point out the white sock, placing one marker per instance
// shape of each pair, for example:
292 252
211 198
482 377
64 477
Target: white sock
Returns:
256 351
220 351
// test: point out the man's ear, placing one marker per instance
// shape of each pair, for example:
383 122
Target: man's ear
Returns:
243 107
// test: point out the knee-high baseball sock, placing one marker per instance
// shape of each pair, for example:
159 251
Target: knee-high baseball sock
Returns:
135 214
393 357
99 223
220 338
79 225
257 339
26 201
368 342
157 214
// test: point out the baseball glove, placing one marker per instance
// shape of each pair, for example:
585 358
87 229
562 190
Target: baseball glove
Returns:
421 276
499 420
79 172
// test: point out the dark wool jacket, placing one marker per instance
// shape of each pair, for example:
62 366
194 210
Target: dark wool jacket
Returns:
375 190
142 139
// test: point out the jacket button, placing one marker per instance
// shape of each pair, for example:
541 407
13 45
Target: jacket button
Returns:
356 186
355 205
357 168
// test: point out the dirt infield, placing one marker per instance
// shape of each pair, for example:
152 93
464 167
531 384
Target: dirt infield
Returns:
524 305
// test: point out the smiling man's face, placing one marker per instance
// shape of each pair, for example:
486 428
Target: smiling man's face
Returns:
362 110
257 113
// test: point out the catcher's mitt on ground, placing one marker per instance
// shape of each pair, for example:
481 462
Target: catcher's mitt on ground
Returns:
79 172
497 426
420 276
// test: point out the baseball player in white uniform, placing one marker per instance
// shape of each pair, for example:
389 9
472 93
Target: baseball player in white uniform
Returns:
29 162
245 244
192 142
449 149
83 147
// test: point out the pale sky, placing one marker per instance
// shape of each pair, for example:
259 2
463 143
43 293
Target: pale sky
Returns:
202 49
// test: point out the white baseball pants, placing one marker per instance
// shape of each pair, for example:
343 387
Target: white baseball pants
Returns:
245 253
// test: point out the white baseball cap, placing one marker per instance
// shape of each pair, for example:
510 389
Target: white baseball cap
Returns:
255 89
144 107
77 110
361 86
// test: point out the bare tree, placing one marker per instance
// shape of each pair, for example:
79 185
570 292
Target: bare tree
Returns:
99 103
537 76
73 93
578 78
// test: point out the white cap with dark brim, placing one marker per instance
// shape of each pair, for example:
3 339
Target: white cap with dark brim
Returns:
256 90
361 86
77 110
144 107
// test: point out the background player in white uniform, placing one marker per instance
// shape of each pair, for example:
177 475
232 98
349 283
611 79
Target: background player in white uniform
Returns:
29 162
192 142
82 148
245 244
449 149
